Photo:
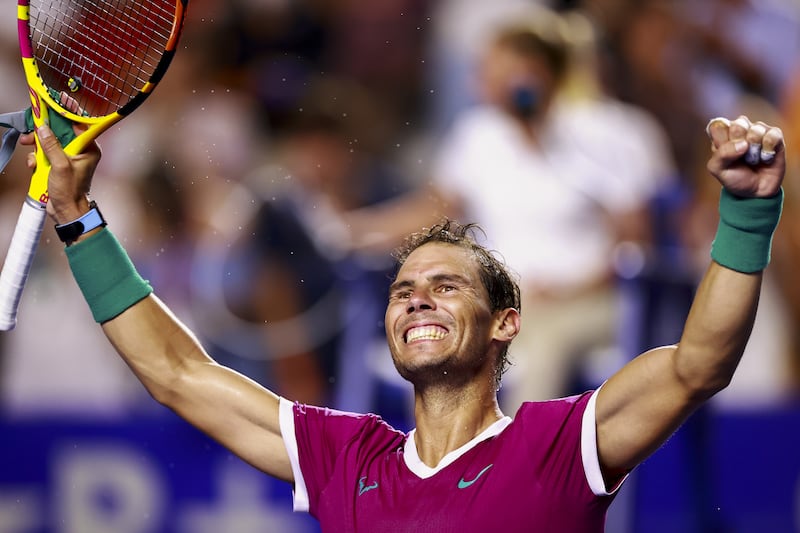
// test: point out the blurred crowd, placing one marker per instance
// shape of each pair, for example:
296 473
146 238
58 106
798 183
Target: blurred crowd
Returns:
263 186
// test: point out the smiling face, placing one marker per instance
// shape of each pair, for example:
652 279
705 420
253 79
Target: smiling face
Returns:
439 322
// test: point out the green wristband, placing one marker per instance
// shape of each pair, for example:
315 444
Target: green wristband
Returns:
106 276
744 235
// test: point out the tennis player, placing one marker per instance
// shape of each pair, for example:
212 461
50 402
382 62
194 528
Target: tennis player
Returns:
452 312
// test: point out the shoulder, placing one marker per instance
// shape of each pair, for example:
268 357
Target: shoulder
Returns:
567 403
344 425
554 413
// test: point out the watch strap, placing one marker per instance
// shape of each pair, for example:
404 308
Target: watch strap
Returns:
69 232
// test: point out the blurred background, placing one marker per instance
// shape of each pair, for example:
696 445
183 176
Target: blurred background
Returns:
263 185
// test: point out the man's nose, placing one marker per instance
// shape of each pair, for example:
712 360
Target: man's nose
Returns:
420 300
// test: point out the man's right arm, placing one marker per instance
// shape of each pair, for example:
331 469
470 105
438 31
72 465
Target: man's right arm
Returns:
169 361
161 351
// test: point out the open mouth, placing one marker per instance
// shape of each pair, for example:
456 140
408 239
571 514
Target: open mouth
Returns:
425 333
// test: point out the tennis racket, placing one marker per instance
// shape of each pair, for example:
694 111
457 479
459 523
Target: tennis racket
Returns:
91 62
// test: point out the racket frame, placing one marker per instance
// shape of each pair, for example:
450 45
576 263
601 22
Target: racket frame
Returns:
30 223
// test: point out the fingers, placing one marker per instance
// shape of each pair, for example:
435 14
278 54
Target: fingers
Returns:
748 158
51 147
46 138
70 103
753 137
27 139
739 132
717 130
756 142
739 127
771 144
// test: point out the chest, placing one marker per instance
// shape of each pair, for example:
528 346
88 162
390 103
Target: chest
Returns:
486 490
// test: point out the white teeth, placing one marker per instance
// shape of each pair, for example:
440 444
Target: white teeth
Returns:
429 333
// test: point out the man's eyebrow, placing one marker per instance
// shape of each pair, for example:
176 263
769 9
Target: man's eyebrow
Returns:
453 278
400 285
436 278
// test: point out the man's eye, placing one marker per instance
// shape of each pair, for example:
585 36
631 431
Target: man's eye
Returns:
447 288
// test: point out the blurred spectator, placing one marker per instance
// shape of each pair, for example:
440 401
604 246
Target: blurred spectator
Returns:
460 30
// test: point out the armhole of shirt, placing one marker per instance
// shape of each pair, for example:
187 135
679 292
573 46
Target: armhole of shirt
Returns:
591 460
286 418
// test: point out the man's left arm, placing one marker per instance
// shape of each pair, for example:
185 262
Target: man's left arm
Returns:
646 401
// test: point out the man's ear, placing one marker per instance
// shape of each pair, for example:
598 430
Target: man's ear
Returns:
507 324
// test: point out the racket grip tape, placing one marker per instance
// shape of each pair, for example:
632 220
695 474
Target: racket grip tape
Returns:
18 261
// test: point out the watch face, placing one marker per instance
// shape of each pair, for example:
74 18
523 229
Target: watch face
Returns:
70 232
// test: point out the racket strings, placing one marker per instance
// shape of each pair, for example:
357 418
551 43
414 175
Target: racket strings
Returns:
101 52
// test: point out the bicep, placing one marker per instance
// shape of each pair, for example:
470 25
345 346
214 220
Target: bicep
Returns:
172 365
650 397
639 408
237 412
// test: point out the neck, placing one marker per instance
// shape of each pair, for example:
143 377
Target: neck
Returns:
530 129
448 419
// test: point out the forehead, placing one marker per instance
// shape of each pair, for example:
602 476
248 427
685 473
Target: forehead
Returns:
506 54
437 258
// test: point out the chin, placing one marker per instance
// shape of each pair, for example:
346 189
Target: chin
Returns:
422 373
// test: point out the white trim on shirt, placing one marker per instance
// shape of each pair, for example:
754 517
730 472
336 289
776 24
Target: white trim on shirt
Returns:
286 419
591 460
415 464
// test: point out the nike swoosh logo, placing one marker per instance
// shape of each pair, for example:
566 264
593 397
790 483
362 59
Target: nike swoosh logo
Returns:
463 484
362 487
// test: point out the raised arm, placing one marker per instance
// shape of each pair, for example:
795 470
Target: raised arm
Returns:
647 400
162 352
232 409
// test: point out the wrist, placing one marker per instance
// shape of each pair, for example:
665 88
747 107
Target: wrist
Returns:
106 276
744 236
66 212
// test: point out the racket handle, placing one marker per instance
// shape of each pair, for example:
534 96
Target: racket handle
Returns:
19 259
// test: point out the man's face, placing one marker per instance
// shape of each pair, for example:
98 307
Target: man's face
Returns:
438 319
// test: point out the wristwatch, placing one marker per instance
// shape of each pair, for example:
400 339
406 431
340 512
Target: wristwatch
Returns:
70 231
